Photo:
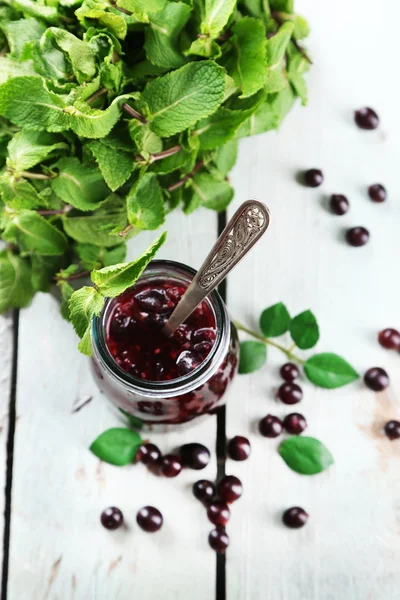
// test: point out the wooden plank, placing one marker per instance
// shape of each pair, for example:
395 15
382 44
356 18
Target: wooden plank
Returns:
59 549
350 547
5 382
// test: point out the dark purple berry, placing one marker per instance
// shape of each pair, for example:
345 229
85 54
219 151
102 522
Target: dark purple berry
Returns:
218 540
313 177
112 518
357 236
392 430
290 393
149 519
376 379
366 118
230 489
289 372
239 448
295 517
377 192
170 465
204 490
294 423
339 204
218 513
148 454
270 426
194 456
389 339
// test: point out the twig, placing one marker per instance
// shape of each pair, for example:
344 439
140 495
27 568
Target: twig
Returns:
182 181
165 153
287 351
125 231
123 10
30 175
97 94
79 404
133 113
61 211
74 276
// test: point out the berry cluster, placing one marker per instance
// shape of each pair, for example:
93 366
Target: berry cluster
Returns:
193 456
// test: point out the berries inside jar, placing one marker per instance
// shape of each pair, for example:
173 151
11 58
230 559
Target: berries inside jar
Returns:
135 338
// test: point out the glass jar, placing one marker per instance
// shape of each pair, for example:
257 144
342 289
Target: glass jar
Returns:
177 400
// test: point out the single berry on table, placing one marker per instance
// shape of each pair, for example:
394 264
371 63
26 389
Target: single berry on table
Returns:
339 204
290 393
289 372
270 426
377 192
389 338
230 488
366 118
204 490
148 454
376 379
218 540
295 423
357 236
392 430
170 465
295 517
149 519
313 177
218 513
194 456
112 518
239 448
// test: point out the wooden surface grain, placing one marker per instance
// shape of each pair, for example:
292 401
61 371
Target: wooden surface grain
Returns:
349 549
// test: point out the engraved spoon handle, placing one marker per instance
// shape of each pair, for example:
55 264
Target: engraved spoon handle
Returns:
247 225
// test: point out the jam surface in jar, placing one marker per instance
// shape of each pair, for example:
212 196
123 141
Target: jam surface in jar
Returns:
136 342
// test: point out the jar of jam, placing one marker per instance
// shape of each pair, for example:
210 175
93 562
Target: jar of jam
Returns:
151 376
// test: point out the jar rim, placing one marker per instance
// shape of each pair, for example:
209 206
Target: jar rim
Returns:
180 385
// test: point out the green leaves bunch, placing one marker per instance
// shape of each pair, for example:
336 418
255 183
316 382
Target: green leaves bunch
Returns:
115 112
326 370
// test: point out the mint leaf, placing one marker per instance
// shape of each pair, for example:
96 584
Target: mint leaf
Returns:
275 320
97 10
162 43
177 100
84 304
116 166
328 370
33 233
145 203
252 356
20 34
246 62
142 9
117 446
34 9
298 65
217 13
210 192
28 148
267 116
80 54
66 292
18 193
10 67
304 330
133 421
16 289
276 48
145 140
305 455
226 156
113 281
43 270
78 184
92 257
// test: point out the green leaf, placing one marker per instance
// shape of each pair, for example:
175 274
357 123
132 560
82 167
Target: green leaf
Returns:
161 45
116 166
304 330
177 100
275 320
28 148
92 257
78 184
145 139
34 9
10 68
252 356
66 292
114 280
305 455
226 157
20 34
282 5
83 305
267 116
276 48
329 370
18 193
246 61
142 9
16 289
298 65
97 10
145 203
217 13
209 192
33 233
117 446
79 53
133 421
43 270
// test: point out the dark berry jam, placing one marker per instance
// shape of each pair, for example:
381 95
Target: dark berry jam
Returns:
137 343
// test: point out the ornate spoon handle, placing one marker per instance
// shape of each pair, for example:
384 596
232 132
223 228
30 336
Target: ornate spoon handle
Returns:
247 225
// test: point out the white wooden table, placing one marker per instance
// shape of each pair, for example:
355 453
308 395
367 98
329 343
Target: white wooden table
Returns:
350 548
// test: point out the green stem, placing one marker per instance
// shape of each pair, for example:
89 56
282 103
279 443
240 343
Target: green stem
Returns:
182 181
268 342
96 95
30 175
133 113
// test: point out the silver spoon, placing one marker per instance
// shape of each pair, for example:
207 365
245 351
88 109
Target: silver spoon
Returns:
247 225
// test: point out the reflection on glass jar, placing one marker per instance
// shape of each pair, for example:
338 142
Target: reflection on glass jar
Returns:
157 379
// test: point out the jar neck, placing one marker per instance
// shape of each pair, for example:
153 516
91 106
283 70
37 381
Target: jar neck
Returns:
171 271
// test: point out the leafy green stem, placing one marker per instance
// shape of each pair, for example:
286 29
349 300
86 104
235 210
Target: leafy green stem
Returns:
61 211
31 175
74 276
165 153
268 342
133 113
182 181
97 94
123 10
